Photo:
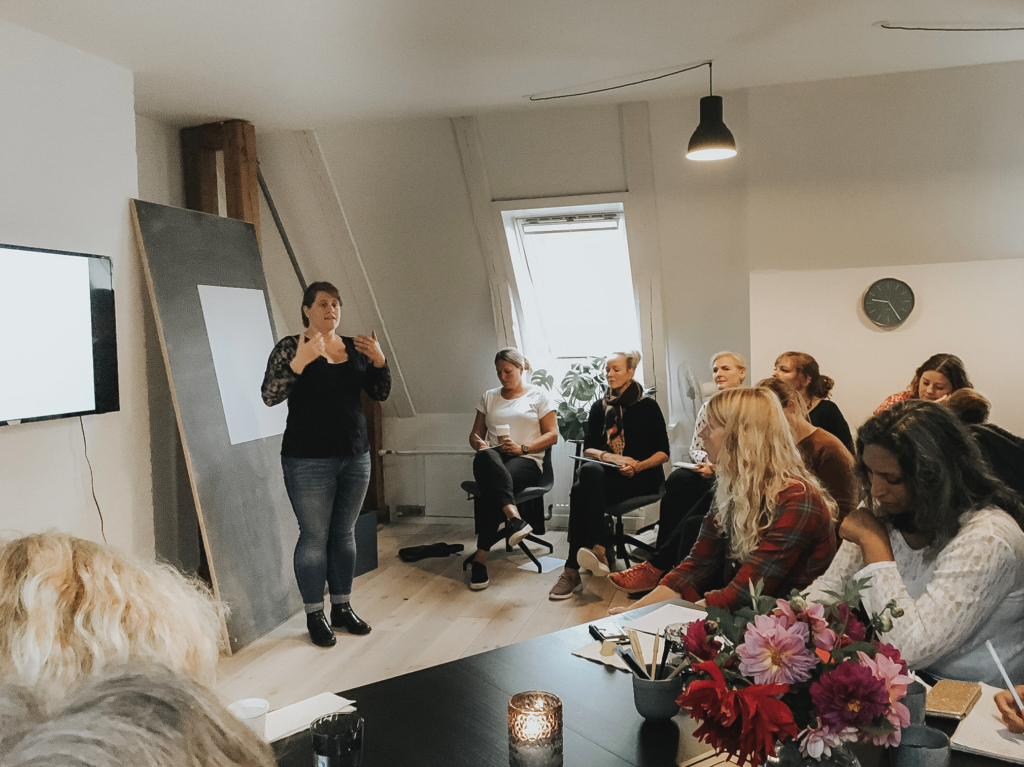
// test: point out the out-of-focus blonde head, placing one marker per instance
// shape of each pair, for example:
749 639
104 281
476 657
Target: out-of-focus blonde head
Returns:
758 459
70 608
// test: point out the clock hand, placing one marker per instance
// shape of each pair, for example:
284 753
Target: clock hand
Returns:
894 311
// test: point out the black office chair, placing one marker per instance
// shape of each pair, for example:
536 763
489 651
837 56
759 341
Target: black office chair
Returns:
530 502
620 539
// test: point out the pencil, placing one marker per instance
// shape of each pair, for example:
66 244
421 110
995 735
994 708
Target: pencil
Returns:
654 655
634 642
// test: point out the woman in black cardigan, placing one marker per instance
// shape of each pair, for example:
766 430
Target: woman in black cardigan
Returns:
626 429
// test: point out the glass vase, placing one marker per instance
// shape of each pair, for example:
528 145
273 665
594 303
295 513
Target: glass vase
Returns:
789 756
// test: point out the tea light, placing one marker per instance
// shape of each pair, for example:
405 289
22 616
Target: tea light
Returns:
535 730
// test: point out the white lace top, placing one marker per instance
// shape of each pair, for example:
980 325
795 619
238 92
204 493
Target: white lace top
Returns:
698 452
972 591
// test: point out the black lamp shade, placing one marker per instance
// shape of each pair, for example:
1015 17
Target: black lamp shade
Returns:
712 140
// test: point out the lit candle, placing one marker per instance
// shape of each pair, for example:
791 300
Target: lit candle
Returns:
535 730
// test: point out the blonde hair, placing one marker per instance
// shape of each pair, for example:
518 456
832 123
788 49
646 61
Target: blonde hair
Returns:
513 355
146 716
740 361
70 607
757 461
632 358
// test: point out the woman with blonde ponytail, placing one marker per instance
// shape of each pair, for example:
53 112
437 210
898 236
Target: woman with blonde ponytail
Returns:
770 522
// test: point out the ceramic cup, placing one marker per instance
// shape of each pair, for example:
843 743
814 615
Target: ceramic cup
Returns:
252 711
921 746
657 700
915 699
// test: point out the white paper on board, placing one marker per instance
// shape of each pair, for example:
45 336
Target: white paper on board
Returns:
238 328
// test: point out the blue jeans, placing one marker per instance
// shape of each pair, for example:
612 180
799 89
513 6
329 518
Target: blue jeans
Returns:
326 496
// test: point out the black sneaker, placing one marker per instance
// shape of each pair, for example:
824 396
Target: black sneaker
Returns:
319 630
477 576
343 617
519 530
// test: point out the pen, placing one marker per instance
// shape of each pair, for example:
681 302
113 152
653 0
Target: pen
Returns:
1006 677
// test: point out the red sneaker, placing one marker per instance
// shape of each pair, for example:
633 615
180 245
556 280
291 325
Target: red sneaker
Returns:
641 577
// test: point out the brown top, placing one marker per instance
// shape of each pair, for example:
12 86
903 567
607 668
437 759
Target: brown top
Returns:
833 465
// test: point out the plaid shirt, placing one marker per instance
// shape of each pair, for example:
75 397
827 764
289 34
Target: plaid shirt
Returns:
795 550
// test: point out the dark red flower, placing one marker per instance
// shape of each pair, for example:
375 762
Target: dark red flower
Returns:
849 696
855 631
746 723
697 642
892 654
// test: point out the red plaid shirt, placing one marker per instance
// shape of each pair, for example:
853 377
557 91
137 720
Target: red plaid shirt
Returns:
795 550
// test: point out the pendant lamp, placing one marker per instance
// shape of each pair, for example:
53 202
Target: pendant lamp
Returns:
712 140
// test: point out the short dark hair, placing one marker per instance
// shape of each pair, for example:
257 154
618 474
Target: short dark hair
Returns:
942 468
309 297
948 365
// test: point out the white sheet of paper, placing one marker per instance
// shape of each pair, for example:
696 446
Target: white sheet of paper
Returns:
663 616
238 328
982 731
298 716
592 651
547 564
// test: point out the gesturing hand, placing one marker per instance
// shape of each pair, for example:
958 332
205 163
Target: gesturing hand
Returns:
368 345
309 349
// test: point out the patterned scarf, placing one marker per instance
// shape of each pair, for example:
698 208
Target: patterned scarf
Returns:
615 433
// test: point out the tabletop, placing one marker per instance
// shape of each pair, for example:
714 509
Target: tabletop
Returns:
456 713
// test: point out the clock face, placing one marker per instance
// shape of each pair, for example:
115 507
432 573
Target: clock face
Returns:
888 302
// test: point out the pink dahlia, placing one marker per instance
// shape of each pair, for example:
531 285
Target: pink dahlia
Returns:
774 653
814 616
892 653
849 696
820 741
896 680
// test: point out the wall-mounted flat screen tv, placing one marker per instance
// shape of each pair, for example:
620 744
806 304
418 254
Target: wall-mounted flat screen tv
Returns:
58 346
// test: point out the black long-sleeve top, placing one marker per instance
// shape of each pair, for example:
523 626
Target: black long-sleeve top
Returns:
643 428
826 415
325 409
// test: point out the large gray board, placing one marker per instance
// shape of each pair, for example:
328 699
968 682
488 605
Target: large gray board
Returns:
247 522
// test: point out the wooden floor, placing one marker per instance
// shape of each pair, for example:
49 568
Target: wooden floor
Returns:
422 614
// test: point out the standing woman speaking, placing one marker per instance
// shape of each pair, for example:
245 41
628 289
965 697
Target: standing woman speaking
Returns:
325 452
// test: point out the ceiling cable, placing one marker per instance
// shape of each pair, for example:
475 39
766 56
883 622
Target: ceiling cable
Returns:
903 26
623 85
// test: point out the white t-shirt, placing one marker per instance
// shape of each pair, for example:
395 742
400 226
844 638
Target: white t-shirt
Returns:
522 415
972 591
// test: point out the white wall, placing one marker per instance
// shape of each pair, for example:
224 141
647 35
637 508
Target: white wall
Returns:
67 149
973 309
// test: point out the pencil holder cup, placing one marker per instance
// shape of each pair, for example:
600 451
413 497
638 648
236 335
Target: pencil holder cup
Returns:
921 746
656 700
915 702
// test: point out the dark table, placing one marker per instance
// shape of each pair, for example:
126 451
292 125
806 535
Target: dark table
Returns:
456 714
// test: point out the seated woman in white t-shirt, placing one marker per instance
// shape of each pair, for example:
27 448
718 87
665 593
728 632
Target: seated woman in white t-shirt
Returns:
938 533
515 424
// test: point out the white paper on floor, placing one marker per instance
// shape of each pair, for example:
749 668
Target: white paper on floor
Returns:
663 616
547 564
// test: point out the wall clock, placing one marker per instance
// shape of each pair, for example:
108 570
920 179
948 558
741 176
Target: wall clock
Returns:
888 302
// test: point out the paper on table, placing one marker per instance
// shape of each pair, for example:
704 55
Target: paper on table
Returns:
592 651
547 564
983 731
663 616
298 716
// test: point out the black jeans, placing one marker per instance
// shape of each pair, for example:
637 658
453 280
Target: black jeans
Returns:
595 488
499 476
683 489
679 540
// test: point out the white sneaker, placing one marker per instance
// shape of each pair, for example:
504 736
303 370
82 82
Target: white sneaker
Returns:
590 560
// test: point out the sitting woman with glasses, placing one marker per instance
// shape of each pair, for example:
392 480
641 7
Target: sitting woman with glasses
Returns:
939 376
940 535
515 425
627 442
770 520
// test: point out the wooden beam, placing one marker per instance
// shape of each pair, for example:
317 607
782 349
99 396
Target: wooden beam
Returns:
375 432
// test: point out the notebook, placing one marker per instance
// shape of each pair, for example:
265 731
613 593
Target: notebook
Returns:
983 732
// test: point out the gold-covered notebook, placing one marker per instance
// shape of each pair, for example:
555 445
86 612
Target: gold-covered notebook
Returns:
953 700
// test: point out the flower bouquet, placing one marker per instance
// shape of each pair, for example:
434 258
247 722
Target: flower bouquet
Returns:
794 676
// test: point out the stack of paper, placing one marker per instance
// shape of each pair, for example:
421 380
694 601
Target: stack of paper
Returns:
983 732
298 716
655 621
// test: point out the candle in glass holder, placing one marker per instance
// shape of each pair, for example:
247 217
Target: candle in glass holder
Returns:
535 730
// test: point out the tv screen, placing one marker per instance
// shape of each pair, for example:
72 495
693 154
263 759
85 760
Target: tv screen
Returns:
57 334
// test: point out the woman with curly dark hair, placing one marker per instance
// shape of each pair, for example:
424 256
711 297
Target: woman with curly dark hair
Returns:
939 376
940 535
